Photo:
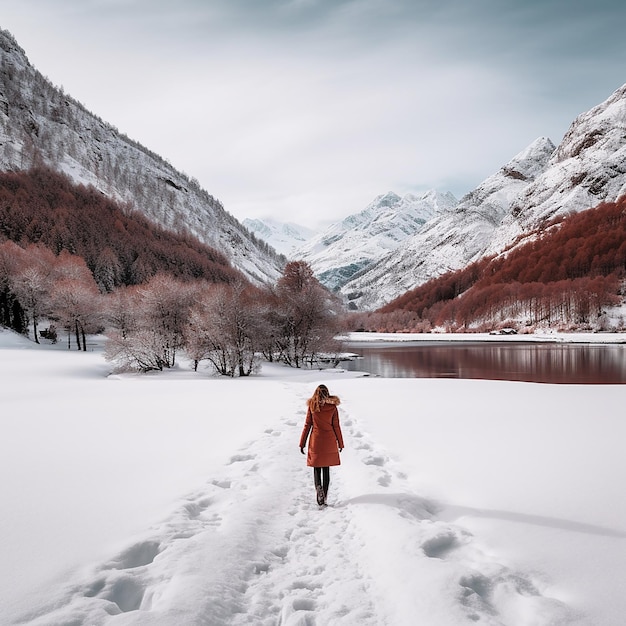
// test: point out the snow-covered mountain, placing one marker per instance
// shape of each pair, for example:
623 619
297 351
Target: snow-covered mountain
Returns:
284 237
588 167
453 238
541 182
41 124
359 240
393 245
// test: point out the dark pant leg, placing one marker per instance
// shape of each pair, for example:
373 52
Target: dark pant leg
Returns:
317 476
325 479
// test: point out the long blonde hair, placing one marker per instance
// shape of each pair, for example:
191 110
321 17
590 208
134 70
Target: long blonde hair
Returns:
319 398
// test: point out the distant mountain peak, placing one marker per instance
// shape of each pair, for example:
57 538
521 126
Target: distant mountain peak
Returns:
284 237
387 199
352 244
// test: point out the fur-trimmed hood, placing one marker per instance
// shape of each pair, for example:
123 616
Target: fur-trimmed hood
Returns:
330 400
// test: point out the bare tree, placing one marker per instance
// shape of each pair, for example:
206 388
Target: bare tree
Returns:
205 340
121 310
307 316
223 329
150 338
165 308
140 351
30 283
75 298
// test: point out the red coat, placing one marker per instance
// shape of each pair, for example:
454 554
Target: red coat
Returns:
326 437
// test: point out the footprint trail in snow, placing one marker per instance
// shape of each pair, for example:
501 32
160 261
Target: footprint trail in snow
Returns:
253 547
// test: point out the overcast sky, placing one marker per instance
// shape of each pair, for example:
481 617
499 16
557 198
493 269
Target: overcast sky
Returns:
305 110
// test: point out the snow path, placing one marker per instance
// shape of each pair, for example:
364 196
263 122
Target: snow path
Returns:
253 547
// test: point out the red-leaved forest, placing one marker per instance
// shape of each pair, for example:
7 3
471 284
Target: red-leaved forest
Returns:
119 245
564 277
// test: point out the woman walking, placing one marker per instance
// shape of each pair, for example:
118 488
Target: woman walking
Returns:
326 442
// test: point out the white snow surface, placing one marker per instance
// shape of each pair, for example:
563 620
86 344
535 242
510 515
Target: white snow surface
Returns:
181 498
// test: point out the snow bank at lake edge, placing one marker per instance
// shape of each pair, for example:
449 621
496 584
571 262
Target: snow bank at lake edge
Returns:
357 337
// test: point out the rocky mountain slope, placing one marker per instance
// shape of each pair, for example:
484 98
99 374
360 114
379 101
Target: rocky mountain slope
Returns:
453 238
361 239
39 124
588 167
541 182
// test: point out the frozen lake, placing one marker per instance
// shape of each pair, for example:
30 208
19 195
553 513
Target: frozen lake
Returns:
570 363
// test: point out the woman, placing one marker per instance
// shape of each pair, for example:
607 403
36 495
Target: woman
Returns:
322 421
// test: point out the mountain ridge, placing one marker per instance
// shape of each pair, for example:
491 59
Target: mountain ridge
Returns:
39 123
451 239
586 168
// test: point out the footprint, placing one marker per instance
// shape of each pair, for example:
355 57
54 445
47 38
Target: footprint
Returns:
95 588
304 584
298 612
439 546
240 458
127 593
260 567
384 480
195 509
281 552
379 461
136 556
476 593
222 484
303 604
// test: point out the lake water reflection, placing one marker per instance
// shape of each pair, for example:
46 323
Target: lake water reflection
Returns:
531 362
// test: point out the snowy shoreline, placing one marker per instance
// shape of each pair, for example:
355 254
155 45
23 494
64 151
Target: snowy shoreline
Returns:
182 498
366 337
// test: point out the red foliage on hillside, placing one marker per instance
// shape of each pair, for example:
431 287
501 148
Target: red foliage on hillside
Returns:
119 245
567 272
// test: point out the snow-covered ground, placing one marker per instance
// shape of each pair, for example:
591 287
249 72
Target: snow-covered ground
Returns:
182 499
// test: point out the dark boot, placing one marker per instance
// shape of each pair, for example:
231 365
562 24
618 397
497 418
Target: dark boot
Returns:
325 482
317 480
